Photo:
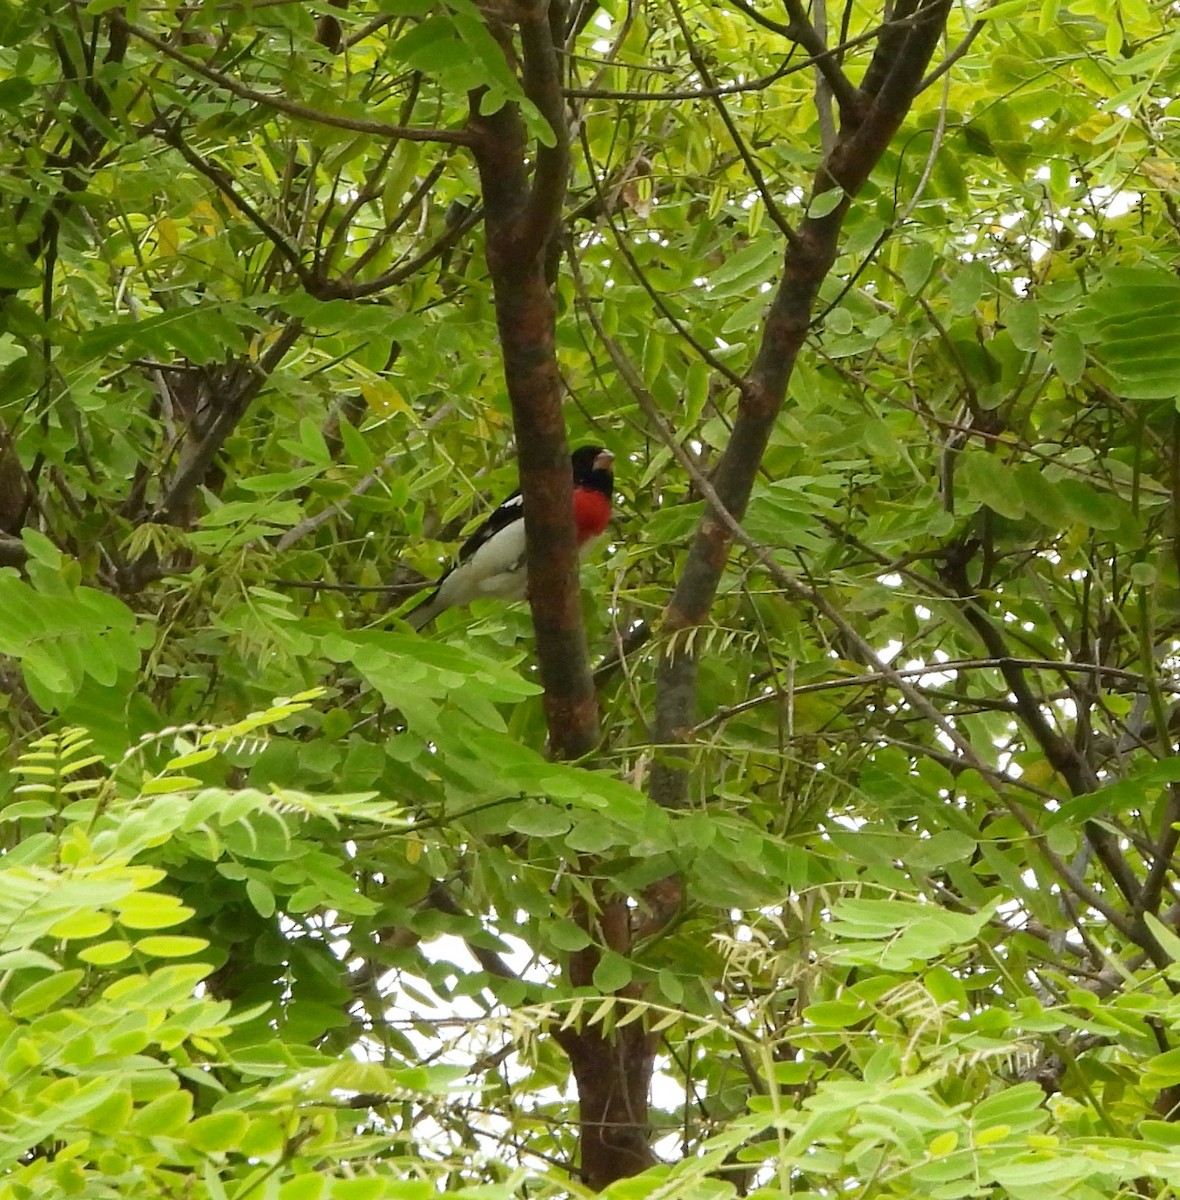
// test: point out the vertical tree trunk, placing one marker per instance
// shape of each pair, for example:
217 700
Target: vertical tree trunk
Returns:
612 1070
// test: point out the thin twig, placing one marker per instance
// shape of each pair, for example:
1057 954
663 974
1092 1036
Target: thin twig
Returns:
457 137
954 56
937 668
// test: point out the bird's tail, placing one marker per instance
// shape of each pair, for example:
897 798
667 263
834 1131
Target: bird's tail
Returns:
423 613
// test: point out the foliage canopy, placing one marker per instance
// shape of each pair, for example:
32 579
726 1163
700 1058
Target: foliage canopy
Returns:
868 887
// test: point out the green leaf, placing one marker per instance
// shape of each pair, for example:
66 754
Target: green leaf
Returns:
988 480
1166 937
671 987
916 266
14 92
261 897
45 993
105 954
567 935
17 272
744 270
1042 501
825 202
170 946
151 910
304 1187
41 548
834 1014
1024 325
82 925
967 285
1069 355
1089 507
20 960
593 834
539 820
166 1114
218 1132
612 972
371 1188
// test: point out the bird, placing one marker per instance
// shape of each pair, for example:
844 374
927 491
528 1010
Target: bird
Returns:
491 562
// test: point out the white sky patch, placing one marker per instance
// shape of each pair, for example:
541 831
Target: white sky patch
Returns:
855 824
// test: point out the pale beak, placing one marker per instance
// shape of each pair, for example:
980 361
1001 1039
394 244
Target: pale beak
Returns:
603 461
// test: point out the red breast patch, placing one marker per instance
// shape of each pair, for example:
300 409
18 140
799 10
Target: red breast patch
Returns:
591 513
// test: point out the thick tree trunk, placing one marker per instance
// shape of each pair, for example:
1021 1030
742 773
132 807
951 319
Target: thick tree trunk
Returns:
612 1069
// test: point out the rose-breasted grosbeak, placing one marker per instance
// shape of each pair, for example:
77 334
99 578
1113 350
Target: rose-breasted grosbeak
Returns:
492 560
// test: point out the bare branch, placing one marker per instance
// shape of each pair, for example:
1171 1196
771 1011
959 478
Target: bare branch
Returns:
954 56
1165 847
661 304
310 524
788 67
345 289
1109 675
847 95
1061 754
793 586
766 22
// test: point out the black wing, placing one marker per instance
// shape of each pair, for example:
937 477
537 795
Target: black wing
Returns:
500 518
511 510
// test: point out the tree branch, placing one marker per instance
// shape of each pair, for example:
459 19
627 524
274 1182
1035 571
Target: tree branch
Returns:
787 67
457 137
346 289
846 93
766 22
1062 756
13 551
889 47
1133 930
221 180
954 56
682 330
526 323
938 668
702 69
808 260
196 463
540 38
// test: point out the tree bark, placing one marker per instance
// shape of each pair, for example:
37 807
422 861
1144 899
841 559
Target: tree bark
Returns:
521 218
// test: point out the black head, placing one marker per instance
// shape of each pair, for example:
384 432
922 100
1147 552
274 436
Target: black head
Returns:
592 468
